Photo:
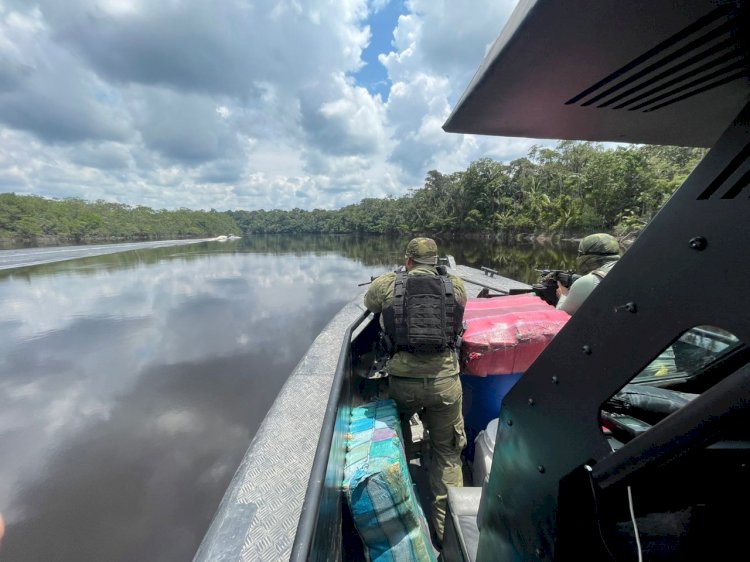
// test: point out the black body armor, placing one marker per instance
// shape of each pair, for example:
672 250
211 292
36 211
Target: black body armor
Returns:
424 316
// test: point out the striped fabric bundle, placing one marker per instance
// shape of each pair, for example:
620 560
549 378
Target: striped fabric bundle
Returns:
379 490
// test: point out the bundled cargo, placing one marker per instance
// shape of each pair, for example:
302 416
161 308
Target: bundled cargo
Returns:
497 306
379 489
503 337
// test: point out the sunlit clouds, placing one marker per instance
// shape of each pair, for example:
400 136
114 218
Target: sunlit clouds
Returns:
238 104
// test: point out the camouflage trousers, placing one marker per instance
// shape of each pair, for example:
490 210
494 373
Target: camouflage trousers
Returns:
441 399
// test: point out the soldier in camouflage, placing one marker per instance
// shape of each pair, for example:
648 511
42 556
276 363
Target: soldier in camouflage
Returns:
597 255
428 383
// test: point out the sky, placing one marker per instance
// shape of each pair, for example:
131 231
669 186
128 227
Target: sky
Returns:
238 104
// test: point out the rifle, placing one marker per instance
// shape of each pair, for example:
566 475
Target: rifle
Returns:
565 277
373 277
546 288
442 269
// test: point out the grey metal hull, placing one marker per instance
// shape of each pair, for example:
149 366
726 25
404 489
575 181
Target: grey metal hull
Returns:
258 516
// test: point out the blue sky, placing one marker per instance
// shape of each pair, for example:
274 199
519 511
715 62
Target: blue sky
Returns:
239 104
382 22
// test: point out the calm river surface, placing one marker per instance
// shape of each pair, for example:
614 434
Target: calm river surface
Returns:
132 383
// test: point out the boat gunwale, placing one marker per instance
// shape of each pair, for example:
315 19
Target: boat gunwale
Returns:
308 519
252 520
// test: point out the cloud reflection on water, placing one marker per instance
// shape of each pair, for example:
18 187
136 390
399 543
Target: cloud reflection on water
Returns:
128 395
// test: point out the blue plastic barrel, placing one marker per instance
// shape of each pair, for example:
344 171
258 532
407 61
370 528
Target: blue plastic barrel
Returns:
482 400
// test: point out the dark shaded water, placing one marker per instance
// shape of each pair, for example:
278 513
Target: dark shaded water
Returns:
132 383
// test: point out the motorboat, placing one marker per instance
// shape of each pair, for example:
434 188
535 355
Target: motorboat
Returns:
600 451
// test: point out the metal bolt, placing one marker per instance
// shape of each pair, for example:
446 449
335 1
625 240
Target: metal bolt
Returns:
541 469
539 552
698 243
586 349
510 422
629 306
555 380
531 402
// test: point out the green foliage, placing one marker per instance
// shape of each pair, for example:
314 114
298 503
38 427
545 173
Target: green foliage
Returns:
30 217
572 189
575 188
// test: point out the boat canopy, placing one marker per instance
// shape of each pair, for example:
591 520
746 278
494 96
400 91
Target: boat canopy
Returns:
671 72
641 71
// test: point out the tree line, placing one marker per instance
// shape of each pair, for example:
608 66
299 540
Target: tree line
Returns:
30 217
573 188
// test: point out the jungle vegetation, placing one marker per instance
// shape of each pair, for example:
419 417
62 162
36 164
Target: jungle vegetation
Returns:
29 217
573 188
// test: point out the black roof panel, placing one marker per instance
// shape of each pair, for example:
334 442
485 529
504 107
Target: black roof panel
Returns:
641 71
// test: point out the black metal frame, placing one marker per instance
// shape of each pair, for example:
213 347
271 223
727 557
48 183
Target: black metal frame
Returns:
688 268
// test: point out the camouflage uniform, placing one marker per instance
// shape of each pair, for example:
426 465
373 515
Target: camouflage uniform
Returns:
597 255
429 381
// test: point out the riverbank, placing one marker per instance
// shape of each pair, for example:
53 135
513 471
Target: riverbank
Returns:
502 237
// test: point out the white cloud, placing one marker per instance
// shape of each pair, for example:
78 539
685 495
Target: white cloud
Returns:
45 90
346 119
237 104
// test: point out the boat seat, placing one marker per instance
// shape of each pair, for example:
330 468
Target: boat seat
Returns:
461 536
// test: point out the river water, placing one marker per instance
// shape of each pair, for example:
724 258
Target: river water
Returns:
132 383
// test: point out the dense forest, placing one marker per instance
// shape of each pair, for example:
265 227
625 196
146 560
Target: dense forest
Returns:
31 217
574 188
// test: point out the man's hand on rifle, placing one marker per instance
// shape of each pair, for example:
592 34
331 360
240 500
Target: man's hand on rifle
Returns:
561 290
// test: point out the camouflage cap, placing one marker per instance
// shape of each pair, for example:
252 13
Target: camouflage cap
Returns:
422 250
600 244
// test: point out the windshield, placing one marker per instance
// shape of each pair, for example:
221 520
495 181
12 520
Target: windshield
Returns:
689 355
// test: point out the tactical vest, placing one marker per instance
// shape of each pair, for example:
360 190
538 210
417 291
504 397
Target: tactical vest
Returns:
600 273
424 316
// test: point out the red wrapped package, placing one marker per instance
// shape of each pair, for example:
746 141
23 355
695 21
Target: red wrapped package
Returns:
504 335
479 308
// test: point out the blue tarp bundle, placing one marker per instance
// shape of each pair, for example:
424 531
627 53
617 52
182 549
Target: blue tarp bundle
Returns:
379 490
